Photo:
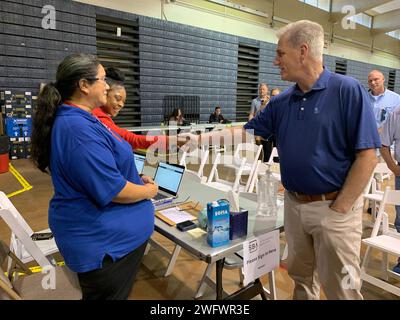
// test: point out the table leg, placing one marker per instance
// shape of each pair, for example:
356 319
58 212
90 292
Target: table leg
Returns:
219 267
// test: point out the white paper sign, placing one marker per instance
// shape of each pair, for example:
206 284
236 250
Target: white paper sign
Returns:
261 255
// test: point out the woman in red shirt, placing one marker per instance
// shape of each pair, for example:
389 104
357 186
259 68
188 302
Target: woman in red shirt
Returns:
116 97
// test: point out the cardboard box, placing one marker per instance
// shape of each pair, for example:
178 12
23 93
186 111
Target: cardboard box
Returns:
238 224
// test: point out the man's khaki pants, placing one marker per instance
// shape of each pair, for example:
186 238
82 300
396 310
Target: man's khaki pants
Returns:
324 248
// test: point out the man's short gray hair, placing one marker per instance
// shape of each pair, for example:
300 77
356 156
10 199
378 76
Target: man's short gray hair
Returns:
305 31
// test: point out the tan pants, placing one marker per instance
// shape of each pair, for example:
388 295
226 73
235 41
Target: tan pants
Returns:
324 248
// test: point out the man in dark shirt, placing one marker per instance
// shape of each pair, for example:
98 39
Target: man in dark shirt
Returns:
216 116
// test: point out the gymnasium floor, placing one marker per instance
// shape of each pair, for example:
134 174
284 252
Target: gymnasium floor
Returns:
151 284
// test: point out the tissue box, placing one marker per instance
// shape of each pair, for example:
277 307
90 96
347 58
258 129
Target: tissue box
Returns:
218 223
238 224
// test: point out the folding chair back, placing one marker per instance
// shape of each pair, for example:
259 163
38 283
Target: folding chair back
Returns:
197 156
274 154
5 203
388 243
382 172
21 230
251 150
60 282
215 181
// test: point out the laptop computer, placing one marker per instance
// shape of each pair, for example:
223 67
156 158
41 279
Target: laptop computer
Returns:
168 177
139 162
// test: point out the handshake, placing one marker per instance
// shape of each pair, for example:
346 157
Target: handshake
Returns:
188 141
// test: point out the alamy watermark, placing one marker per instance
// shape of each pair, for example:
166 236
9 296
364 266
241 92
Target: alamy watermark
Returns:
350 11
351 280
49 278
49 20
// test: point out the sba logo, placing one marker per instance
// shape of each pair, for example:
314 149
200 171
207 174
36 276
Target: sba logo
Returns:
253 246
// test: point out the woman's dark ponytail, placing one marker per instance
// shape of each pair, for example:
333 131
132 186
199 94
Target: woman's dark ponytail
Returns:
48 101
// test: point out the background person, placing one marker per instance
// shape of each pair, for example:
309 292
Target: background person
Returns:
382 99
260 101
116 98
100 214
270 143
216 116
177 118
257 105
275 92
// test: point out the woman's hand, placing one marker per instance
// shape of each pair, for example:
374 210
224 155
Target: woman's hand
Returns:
147 179
152 190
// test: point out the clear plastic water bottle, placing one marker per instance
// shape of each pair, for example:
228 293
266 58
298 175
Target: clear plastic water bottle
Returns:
267 195
203 219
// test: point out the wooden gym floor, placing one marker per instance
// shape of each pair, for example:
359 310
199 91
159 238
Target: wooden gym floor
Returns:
151 284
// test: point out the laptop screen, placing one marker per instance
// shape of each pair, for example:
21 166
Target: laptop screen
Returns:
168 177
139 162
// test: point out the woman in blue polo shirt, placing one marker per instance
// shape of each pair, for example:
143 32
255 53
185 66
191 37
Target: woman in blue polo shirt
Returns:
100 214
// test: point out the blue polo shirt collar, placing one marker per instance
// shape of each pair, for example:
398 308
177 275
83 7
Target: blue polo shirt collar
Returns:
68 110
320 84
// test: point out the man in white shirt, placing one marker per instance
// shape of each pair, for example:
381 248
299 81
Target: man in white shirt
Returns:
261 100
383 100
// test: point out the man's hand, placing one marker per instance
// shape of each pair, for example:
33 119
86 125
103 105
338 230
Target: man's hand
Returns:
339 209
185 136
396 170
188 141
356 180
391 163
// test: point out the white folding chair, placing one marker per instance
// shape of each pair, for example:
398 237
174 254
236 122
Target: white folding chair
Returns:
388 243
197 156
21 243
374 197
61 282
274 154
251 153
214 181
382 173
261 168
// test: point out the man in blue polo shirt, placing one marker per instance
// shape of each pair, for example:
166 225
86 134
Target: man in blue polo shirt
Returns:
326 138
383 100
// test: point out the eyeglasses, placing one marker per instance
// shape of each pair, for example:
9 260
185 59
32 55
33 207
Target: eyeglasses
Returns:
104 79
